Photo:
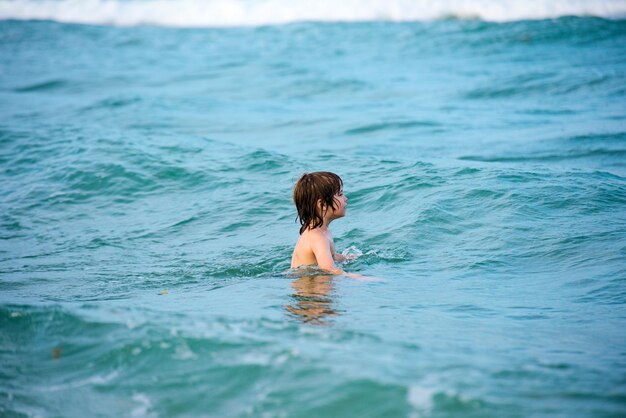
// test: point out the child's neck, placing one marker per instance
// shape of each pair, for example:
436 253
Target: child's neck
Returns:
324 227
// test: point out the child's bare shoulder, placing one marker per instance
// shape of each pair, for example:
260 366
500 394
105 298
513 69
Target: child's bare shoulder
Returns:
312 236
318 239
316 235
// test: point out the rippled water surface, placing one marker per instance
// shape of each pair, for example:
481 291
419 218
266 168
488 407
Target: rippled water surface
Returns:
146 220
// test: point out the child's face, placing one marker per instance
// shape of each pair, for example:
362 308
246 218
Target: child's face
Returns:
341 201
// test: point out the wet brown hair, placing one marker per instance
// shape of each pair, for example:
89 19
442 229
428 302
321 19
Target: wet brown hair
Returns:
312 187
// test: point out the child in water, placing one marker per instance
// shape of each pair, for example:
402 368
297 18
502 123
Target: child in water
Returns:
320 200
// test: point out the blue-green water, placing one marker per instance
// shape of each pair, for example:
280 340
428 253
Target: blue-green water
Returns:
146 220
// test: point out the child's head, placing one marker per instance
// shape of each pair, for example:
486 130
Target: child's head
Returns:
314 194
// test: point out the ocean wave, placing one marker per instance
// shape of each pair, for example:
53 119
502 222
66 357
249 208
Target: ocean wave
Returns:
225 13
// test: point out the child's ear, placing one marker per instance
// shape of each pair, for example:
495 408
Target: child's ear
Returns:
321 206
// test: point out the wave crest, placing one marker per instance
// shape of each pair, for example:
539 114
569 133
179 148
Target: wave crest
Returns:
225 13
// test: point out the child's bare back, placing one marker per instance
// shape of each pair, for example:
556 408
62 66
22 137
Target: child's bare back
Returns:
312 242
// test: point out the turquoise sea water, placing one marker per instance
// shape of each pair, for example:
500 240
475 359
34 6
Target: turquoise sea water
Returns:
146 220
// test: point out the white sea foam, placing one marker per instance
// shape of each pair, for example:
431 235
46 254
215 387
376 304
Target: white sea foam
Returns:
88 381
219 13
352 253
421 399
142 407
